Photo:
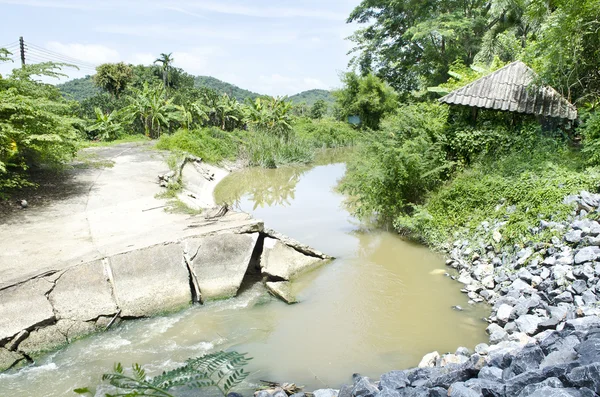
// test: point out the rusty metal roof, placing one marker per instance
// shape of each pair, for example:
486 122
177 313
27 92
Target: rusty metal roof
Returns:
511 89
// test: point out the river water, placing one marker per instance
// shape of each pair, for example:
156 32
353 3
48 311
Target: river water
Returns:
381 305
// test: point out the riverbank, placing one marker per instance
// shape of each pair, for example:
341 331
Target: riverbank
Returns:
544 327
130 258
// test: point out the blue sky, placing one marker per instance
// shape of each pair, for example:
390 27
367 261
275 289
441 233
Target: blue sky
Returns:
272 47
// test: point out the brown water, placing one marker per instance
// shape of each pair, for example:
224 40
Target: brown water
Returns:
380 306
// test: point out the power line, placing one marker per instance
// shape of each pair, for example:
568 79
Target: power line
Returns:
9 44
56 54
50 58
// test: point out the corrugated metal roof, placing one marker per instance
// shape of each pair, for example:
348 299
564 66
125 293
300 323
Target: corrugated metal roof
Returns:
510 89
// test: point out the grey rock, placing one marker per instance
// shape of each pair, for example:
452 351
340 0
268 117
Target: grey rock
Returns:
394 380
485 387
83 293
415 392
325 393
385 392
364 388
579 286
528 359
551 323
281 261
482 348
545 273
583 324
498 336
528 323
518 383
519 285
151 280
586 254
503 313
589 351
429 360
548 391
586 376
550 382
491 373
220 262
573 236
24 306
460 390
463 351
282 290
564 297
493 327
589 297
438 392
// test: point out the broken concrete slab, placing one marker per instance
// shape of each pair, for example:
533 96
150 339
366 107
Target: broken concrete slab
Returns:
220 262
199 181
8 359
83 293
73 330
14 343
298 246
151 280
282 262
24 306
282 290
43 340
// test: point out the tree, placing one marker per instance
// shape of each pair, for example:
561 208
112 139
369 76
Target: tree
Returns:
107 127
113 77
318 109
37 127
152 109
166 60
367 97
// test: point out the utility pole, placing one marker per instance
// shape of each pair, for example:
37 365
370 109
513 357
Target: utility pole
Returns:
22 48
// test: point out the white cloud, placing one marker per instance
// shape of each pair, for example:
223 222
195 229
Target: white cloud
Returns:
277 84
89 53
141 58
265 12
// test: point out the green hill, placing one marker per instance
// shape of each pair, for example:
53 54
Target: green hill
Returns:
311 96
225 88
79 89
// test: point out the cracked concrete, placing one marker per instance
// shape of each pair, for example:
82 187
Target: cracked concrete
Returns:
108 252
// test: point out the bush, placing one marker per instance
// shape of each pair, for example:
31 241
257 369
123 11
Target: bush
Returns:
211 144
590 130
268 151
399 164
326 133
518 189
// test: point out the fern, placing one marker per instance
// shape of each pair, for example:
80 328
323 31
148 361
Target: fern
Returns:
221 370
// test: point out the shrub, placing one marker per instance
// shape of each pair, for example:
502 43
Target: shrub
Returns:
590 130
326 133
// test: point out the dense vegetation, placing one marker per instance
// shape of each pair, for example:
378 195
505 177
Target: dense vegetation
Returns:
39 128
224 88
311 96
432 171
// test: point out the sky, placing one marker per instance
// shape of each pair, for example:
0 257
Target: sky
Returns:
271 47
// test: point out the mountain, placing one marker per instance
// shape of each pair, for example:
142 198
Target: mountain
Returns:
224 88
79 89
311 96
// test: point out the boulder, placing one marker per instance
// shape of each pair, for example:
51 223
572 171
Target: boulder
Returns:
429 360
528 323
394 380
516 384
583 324
587 254
151 280
550 382
325 393
528 359
364 388
586 376
503 313
220 262
24 306
83 293
491 373
460 390
573 236
589 351
283 262
485 387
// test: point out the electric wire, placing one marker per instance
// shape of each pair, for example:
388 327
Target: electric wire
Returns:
56 54
58 58
39 57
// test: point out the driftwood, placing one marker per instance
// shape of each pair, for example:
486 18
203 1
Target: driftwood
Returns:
175 176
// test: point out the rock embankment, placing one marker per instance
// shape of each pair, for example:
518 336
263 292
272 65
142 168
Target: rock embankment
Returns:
544 328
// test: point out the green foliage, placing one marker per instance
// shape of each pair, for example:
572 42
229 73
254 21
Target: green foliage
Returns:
326 133
270 115
222 87
211 144
221 371
265 150
318 109
311 96
397 166
152 108
365 96
590 130
107 127
79 89
37 128
113 77
517 189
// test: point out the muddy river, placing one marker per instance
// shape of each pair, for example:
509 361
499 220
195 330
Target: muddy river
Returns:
381 305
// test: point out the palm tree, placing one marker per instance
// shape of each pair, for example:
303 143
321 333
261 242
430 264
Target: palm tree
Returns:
166 60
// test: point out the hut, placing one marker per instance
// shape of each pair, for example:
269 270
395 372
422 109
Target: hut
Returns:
513 89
